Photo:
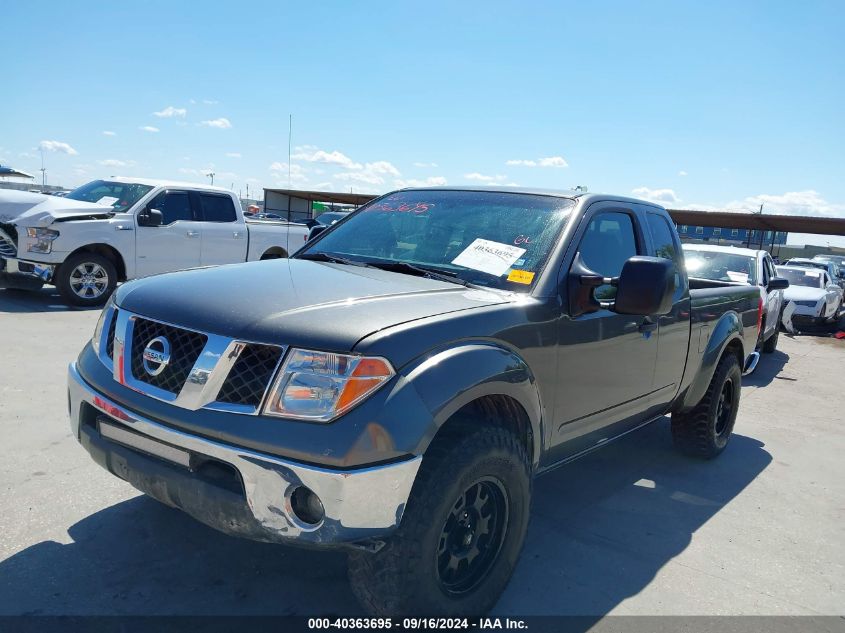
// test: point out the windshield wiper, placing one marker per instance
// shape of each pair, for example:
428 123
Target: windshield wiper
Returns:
329 257
423 271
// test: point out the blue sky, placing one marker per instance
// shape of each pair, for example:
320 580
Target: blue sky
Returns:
693 104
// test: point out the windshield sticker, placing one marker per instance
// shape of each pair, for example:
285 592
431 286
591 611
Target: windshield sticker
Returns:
519 262
739 277
106 201
521 276
416 208
489 257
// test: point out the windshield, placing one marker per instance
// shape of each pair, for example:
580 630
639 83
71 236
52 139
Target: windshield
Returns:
810 277
807 264
721 266
499 240
119 196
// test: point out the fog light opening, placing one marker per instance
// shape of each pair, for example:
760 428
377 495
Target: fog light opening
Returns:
307 506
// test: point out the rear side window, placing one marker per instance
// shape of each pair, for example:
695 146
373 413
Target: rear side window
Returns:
217 208
174 206
607 244
666 246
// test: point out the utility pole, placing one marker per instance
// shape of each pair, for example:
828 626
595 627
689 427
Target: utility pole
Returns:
43 169
290 135
211 175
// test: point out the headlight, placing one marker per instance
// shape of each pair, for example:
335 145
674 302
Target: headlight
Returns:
98 329
45 239
320 386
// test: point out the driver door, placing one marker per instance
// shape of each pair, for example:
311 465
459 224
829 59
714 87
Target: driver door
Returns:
606 361
176 244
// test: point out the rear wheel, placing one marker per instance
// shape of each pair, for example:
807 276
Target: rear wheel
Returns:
771 343
461 535
705 430
86 279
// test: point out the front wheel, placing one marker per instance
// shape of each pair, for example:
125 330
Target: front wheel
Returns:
705 430
86 279
461 535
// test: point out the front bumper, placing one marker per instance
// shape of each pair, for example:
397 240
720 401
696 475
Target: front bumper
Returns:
29 270
243 493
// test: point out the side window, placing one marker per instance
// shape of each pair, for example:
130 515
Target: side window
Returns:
666 247
607 244
767 272
174 206
217 208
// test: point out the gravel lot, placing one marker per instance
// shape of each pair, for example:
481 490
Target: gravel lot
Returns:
632 529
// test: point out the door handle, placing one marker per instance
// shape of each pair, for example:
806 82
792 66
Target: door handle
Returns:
193 233
647 325
237 235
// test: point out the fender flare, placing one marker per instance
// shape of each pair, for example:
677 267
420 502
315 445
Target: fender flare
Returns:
447 380
727 331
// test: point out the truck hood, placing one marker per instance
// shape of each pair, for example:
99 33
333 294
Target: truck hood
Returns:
803 293
297 302
36 209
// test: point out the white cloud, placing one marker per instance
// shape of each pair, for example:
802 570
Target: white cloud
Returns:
113 162
661 196
432 181
233 154
221 123
108 133
382 167
57 146
148 128
807 202
682 173
425 164
553 161
297 172
550 161
210 101
499 178
308 154
360 176
169 112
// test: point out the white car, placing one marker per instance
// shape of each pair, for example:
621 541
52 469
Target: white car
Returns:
743 266
119 229
817 299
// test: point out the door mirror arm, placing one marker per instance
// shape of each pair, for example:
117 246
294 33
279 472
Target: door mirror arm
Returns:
150 217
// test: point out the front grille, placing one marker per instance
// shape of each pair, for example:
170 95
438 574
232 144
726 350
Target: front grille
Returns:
110 335
185 349
250 375
8 241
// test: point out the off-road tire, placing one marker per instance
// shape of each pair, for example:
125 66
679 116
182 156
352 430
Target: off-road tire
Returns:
63 279
771 343
702 432
402 578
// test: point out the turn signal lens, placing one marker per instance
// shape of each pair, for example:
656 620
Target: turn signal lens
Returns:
321 386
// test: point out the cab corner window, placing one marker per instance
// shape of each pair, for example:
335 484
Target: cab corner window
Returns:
607 244
666 246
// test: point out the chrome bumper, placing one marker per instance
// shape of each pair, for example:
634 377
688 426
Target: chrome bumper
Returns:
359 505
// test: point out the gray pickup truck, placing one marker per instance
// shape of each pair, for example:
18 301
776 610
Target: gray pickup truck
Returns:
394 387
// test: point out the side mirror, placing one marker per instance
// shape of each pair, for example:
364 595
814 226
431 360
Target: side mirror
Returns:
150 217
316 230
778 283
645 286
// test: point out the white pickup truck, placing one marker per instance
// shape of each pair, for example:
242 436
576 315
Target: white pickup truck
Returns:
119 229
